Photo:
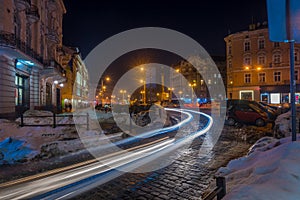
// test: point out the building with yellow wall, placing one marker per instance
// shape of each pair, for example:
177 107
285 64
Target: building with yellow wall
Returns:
75 88
258 69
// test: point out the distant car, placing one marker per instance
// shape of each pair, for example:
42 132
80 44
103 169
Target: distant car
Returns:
246 114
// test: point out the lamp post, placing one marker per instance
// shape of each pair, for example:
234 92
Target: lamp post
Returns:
192 85
144 92
170 93
123 93
103 87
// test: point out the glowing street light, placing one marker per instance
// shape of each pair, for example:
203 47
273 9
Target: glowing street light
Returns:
144 97
123 92
103 87
192 85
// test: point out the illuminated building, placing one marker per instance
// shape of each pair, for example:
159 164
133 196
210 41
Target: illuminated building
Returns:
30 41
75 90
257 68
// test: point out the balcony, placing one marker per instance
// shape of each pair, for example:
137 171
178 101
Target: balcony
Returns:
53 36
32 14
9 40
54 69
22 4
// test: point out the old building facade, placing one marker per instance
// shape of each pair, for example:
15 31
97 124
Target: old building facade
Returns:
75 89
30 54
259 69
198 87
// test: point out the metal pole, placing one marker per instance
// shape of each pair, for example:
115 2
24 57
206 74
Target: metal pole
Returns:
87 122
292 68
54 120
22 120
221 183
293 89
102 91
145 92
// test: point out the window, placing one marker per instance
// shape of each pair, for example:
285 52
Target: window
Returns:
229 50
261 60
277 76
277 58
261 44
296 75
247 46
262 77
247 78
19 96
229 63
247 61
21 91
296 56
276 44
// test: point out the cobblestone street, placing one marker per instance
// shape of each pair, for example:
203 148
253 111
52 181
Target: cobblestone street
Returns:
186 178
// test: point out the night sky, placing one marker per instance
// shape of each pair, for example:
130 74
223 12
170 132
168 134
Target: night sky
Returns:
87 23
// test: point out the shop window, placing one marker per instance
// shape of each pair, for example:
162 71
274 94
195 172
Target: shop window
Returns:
246 94
264 97
275 98
21 91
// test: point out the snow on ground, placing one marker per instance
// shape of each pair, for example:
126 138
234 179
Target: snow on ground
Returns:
270 171
19 144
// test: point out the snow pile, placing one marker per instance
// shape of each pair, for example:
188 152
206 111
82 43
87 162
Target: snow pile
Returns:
42 141
270 171
282 126
12 150
30 117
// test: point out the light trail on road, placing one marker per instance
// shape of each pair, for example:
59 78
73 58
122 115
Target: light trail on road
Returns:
71 182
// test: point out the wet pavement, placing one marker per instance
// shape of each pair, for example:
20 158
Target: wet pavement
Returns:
186 178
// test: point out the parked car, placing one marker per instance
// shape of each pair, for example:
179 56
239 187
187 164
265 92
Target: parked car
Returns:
276 109
272 115
246 114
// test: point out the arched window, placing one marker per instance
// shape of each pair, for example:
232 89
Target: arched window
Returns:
277 58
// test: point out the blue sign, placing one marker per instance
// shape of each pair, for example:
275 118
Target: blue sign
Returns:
284 20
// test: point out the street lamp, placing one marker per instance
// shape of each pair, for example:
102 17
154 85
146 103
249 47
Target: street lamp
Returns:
144 97
123 93
192 85
103 87
170 92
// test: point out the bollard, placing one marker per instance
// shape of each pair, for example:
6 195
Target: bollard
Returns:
54 120
87 122
22 120
130 123
221 183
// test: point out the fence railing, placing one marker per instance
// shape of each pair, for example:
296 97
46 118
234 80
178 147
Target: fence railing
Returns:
10 39
54 123
219 191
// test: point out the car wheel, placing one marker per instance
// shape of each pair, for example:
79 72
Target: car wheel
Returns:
259 122
231 121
